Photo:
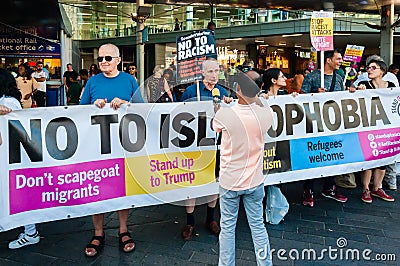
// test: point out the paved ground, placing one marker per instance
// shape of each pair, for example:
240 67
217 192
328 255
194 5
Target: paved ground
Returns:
156 231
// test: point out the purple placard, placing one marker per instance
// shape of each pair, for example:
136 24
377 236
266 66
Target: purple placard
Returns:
67 185
379 144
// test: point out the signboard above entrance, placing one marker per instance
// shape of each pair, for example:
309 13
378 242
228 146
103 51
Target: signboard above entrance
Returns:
25 45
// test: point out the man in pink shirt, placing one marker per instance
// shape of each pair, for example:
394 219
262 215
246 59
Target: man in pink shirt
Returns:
243 128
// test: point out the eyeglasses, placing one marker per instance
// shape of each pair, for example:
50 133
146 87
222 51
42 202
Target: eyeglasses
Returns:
108 58
372 68
132 68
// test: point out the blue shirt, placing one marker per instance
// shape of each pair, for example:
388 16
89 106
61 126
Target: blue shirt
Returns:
190 93
123 86
312 82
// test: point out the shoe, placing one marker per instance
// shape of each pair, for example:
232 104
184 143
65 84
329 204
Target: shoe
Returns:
366 196
334 194
380 193
97 248
213 227
308 198
24 240
122 244
187 232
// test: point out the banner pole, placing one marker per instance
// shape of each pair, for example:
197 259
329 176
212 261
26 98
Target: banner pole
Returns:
198 90
322 61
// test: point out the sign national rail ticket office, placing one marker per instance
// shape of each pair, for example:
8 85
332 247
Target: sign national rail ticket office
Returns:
81 160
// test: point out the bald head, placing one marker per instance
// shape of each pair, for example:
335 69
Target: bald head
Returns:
110 46
254 76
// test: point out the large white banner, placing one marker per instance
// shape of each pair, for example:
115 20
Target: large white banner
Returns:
61 162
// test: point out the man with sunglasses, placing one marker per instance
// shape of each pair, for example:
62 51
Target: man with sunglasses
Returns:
312 84
117 88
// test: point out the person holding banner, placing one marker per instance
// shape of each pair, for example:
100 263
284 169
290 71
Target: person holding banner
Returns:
117 88
376 70
210 71
312 84
243 128
10 100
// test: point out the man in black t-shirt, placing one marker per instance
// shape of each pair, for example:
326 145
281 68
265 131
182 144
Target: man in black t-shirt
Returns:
67 75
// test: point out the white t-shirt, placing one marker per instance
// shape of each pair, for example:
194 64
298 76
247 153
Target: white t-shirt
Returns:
42 84
243 129
10 102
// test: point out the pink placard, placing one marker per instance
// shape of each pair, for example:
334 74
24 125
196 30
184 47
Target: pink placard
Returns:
67 185
379 144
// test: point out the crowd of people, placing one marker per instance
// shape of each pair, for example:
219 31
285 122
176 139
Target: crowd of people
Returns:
240 171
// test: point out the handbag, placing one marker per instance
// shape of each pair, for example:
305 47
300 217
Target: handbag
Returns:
163 96
277 205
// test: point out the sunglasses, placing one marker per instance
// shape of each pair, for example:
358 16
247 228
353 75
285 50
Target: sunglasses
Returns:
132 68
372 68
108 58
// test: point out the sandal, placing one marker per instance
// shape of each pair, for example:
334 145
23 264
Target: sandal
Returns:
98 247
122 244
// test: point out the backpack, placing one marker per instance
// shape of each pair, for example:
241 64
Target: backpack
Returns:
277 205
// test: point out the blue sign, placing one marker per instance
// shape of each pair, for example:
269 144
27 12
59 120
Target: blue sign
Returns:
25 45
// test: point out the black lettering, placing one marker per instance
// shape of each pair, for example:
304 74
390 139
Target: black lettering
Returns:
293 120
184 130
104 121
378 112
336 110
363 112
202 140
349 109
32 145
164 130
51 138
316 116
124 135
280 122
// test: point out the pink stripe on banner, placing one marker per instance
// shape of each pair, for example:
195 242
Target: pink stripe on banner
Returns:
379 144
67 185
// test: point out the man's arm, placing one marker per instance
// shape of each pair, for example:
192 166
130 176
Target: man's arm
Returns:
306 86
39 79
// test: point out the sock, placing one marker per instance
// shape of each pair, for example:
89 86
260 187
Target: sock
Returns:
30 229
210 214
190 218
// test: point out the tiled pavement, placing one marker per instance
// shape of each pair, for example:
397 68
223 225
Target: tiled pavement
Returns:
156 231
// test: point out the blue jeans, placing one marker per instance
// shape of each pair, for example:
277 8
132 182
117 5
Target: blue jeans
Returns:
229 205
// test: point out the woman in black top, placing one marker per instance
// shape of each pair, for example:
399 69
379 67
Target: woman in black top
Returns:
376 70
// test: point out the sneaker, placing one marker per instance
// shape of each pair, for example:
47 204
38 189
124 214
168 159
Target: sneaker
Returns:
308 198
334 194
366 196
24 240
382 194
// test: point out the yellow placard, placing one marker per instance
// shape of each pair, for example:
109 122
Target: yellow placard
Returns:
169 171
320 27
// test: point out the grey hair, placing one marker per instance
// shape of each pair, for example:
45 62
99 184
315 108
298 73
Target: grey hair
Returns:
374 57
205 62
